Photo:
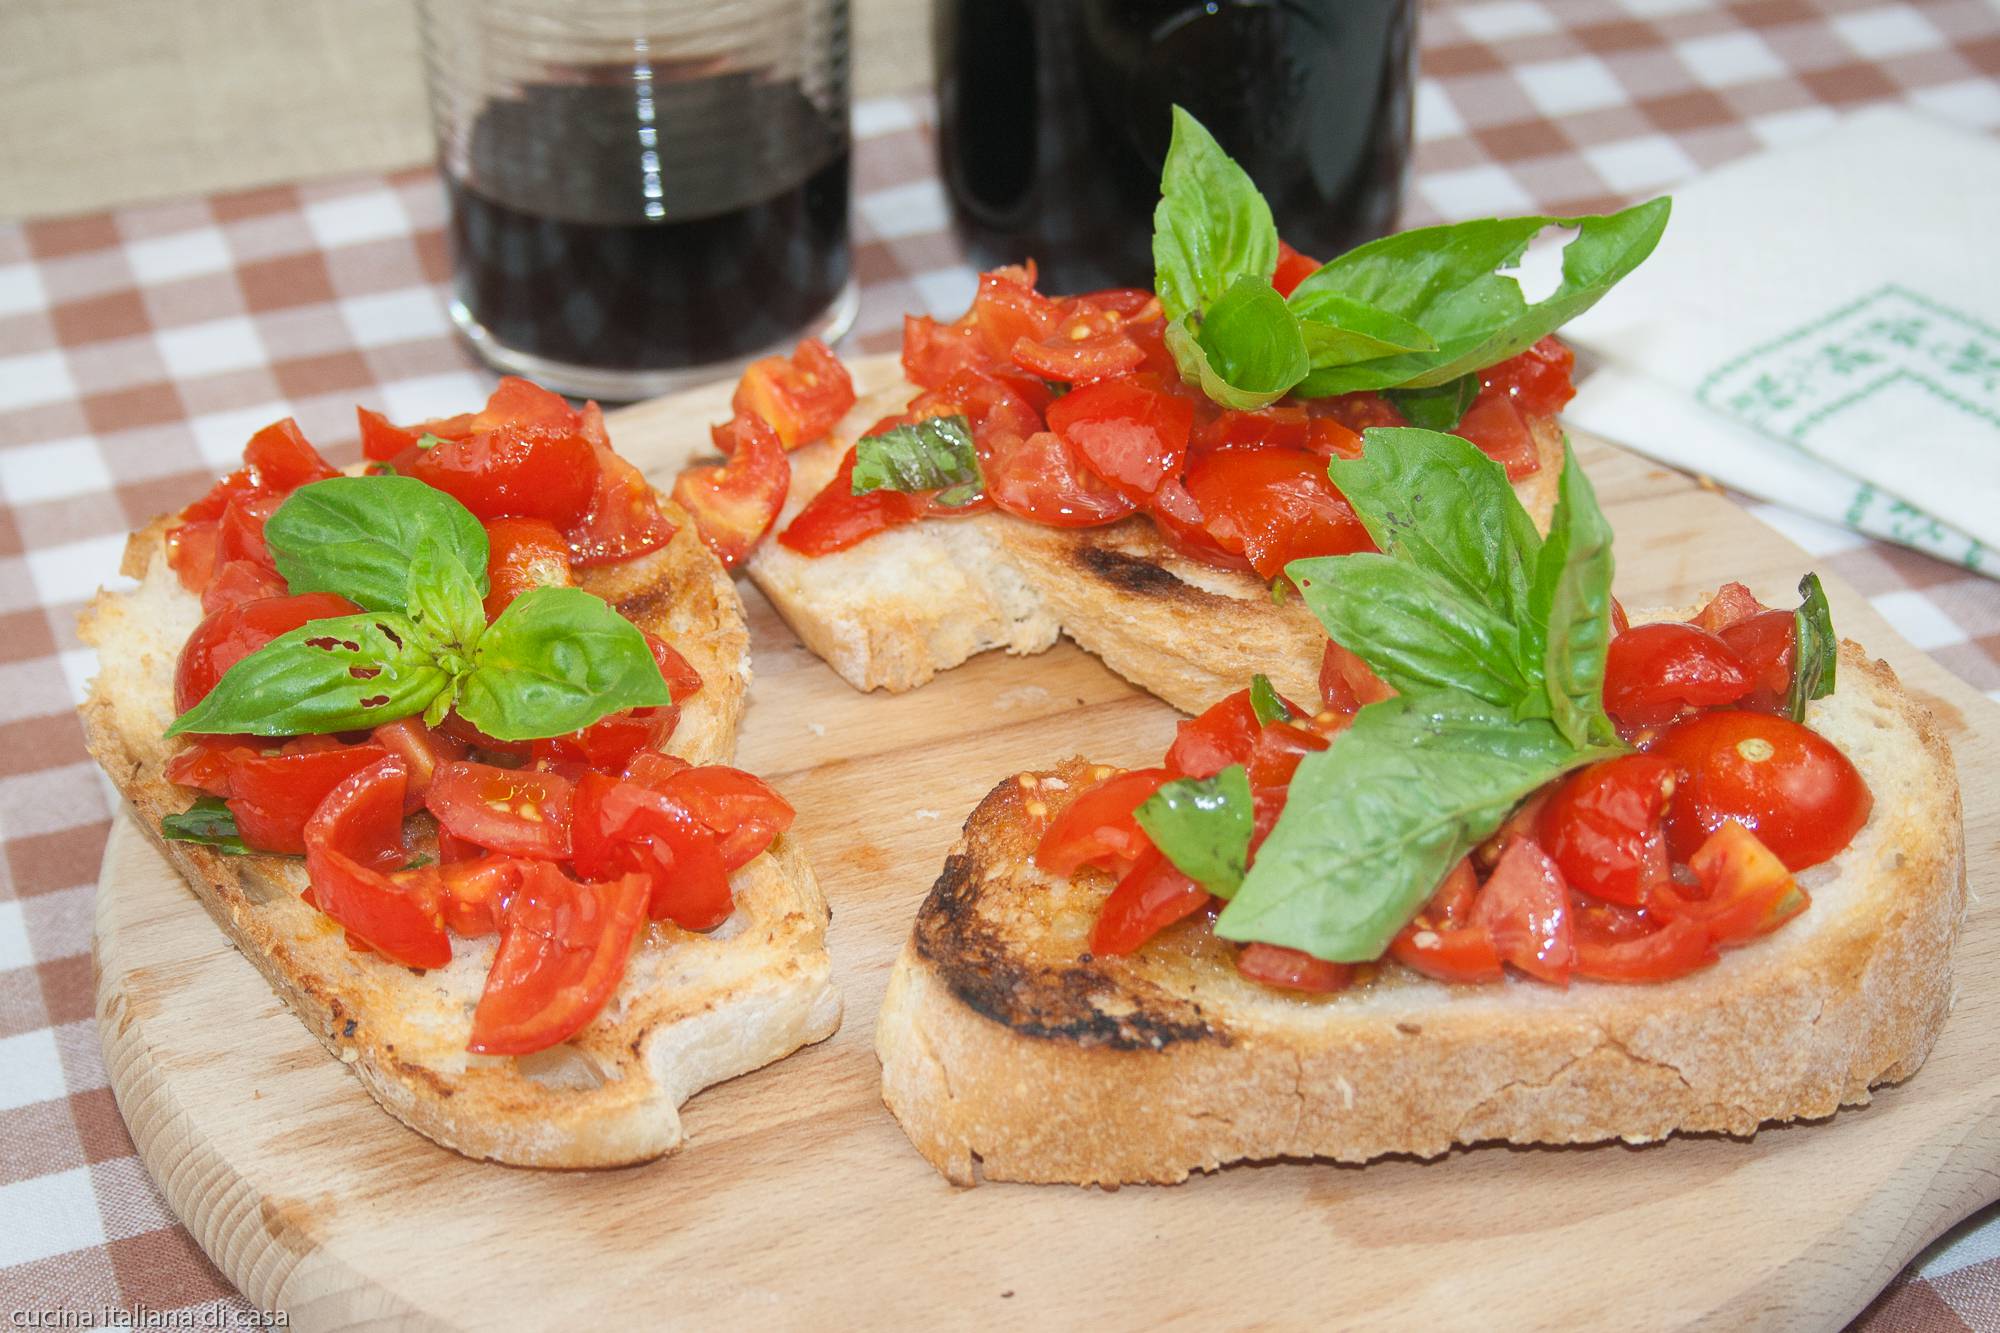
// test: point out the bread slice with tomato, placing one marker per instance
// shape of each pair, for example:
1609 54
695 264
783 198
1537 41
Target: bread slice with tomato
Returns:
1011 1052
692 1005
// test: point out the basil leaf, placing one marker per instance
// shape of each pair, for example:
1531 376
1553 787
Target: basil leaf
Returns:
935 454
208 821
1211 226
1445 280
1203 826
1439 408
1340 331
1568 627
443 602
1248 351
1374 822
557 660
1266 702
1815 650
355 535
346 673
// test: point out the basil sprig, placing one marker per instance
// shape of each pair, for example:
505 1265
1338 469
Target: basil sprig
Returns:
1815 649
1495 639
209 822
557 659
1203 826
1420 310
1440 407
935 454
1266 703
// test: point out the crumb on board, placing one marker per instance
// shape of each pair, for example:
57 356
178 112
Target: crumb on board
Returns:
930 814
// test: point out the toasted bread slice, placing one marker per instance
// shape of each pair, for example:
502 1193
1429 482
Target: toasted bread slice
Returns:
1005 1044
900 607
693 1009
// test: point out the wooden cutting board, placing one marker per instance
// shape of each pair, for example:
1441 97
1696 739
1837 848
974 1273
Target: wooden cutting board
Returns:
799 1203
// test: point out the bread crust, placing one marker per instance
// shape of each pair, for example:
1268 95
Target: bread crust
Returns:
902 606
1008 1051
693 1009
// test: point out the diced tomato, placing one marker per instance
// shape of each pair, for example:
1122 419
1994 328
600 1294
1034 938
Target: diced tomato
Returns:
277 460
1290 427
1448 953
1766 644
622 520
837 518
564 947
1273 506
1152 896
1732 604
191 552
515 401
1043 478
801 397
1180 520
1604 827
608 743
516 812
1097 828
274 795
515 470
1790 786
352 843
650 768
1494 424
993 406
1358 412
626 828
934 352
683 681
240 532
1525 907
1293 969
744 812
474 893
1346 683
1537 380
459 729
1087 342
1224 735
1676 948
382 441
1746 890
523 553
228 636
422 750
1007 309
734 503
1128 433
1654 673
238 582
1279 749
1293 269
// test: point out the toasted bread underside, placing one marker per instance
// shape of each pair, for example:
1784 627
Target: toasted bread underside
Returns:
900 607
1005 1044
693 1009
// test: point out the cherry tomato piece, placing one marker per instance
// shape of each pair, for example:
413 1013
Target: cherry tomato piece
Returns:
1767 645
623 519
1152 896
1293 269
1223 735
1678 947
523 553
626 828
1604 827
837 518
1746 889
1524 906
1043 478
473 893
352 842
1495 425
516 812
1130 435
1732 604
735 503
1654 673
422 750
225 638
273 796
238 582
1097 827
1088 342
1273 506
1538 381
1292 969
514 470
1790 786
564 947
802 397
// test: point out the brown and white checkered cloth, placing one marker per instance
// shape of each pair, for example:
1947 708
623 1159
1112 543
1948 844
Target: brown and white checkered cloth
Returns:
139 349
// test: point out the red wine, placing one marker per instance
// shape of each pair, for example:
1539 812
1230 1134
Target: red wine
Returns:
651 225
1054 118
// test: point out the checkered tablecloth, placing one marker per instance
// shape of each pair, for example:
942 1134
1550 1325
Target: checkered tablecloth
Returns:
139 349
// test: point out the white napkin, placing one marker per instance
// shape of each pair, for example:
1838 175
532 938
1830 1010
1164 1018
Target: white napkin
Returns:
1820 326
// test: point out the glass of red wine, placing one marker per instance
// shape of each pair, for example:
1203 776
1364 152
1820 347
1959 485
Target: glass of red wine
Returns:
1054 118
642 193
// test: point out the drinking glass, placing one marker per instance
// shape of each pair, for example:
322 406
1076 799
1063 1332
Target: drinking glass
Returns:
642 193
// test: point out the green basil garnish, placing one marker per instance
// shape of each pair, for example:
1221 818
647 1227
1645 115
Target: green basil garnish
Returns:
1247 352
1266 702
355 536
935 454
1439 408
1203 826
1211 226
209 822
1815 649
556 660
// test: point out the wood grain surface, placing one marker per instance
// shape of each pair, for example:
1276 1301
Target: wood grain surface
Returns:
798 1203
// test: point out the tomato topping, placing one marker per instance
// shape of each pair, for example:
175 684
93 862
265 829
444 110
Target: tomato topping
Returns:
1448 953
381 440
1766 644
744 812
1088 342
273 796
1604 827
1346 683
523 553
1007 309
1494 424
1152 896
1290 427
474 892
1791 787
1537 380
1525 907
837 518
1732 604
1746 890
608 743
1129 434
735 503
191 552
563 949
801 397
225 638
1655 673
934 352
1273 506
422 751
352 843
1224 735
1293 269
1676 948
1097 827
516 470
1279 749
517 812
626 828
1292 969
277 460
238 582
1181 521
239 533
1043 478
622 520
